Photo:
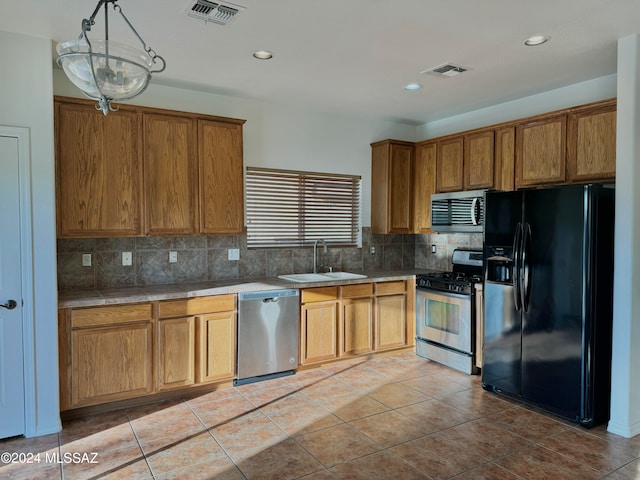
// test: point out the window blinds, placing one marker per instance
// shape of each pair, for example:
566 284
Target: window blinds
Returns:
293 209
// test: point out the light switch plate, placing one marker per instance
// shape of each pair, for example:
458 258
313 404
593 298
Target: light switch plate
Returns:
173 256
433 249
86 259
233 254
126 259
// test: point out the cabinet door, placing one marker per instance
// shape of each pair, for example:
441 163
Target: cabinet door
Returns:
111 363
479 160
170 174
505 158
424 184
391 321
98 172
540 151
221 177
400 191
449 174
592 144
319 332
216 350
176 352
357 326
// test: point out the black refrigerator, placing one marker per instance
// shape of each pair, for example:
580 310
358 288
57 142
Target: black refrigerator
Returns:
549 298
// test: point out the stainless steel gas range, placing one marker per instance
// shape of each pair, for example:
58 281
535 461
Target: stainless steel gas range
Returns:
446 312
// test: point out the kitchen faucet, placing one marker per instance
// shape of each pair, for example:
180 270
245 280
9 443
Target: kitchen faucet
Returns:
315 253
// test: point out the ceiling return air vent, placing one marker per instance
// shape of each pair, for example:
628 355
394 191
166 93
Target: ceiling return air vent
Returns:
215 12
446 70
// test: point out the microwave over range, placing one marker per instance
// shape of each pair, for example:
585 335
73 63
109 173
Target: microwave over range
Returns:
458 211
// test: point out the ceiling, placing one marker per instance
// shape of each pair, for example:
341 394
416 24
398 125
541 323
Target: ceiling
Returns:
354 56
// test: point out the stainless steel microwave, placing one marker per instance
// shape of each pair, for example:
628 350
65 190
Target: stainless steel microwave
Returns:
458 211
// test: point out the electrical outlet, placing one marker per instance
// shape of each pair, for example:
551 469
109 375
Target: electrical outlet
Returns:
173 256
233 254
86 259
433 249
372 250
126 259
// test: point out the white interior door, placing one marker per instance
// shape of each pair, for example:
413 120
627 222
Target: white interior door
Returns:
12 396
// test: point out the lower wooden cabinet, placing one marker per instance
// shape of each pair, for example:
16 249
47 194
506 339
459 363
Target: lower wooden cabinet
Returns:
216 346
319 325
106 354
355 319
176 352
200 347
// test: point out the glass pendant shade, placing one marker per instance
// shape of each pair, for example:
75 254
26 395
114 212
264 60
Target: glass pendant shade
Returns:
111 69
105 70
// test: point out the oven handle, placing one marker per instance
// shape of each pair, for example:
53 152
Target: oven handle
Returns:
517 259
426 291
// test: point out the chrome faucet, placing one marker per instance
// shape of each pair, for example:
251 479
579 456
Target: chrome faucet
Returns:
315 253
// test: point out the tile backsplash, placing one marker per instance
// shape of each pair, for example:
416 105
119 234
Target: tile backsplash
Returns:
445 245
205 258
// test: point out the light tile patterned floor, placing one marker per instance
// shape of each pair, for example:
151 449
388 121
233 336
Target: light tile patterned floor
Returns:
387 417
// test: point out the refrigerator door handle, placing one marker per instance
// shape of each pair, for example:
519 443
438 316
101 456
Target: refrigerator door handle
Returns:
517 240
525 290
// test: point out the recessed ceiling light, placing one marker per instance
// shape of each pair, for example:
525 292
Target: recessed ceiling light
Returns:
413 86
263 55
536 40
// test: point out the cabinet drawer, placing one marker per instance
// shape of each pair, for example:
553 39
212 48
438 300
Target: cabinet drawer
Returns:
197 306
359 290
320 294
97 316
384 288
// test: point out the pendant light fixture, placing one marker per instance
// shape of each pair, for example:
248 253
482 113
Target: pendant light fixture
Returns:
106 70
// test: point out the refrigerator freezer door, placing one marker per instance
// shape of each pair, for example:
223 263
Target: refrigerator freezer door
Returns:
502 339
552 327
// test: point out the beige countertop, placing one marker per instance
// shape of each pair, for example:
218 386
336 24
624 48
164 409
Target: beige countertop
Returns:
149 293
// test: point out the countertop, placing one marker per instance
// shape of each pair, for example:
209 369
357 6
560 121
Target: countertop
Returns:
150 293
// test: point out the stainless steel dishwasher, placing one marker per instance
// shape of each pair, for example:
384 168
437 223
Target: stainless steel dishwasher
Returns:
267 334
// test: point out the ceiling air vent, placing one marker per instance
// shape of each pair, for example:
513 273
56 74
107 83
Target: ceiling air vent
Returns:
216 12
446 70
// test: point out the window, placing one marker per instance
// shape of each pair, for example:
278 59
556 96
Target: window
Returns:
293 209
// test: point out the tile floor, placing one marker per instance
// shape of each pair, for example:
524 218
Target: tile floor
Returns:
387 417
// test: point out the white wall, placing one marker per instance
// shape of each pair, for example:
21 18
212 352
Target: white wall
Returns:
26 101
625 390
280 136
570 96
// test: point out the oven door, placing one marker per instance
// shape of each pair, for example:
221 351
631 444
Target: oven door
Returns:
444 318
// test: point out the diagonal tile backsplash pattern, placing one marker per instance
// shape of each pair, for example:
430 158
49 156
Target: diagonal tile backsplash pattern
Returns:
205 258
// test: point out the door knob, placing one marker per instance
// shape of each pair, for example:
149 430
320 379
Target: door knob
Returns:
10 305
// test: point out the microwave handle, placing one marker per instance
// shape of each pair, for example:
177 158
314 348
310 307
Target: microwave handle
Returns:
474 204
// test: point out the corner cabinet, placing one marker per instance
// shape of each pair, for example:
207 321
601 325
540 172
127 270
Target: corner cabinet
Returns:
591 143
392 194
106 354
98 171
146 171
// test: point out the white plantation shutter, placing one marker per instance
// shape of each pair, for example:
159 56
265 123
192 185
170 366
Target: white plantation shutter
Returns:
293 209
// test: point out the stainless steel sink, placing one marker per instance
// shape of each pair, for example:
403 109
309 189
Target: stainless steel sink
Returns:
320 277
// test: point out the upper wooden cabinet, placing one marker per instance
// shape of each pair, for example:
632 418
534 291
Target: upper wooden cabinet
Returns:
449 168
188 167
505 153
98 171
591 143
221 177
479 154
392 192
424 184
170 174
541 152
